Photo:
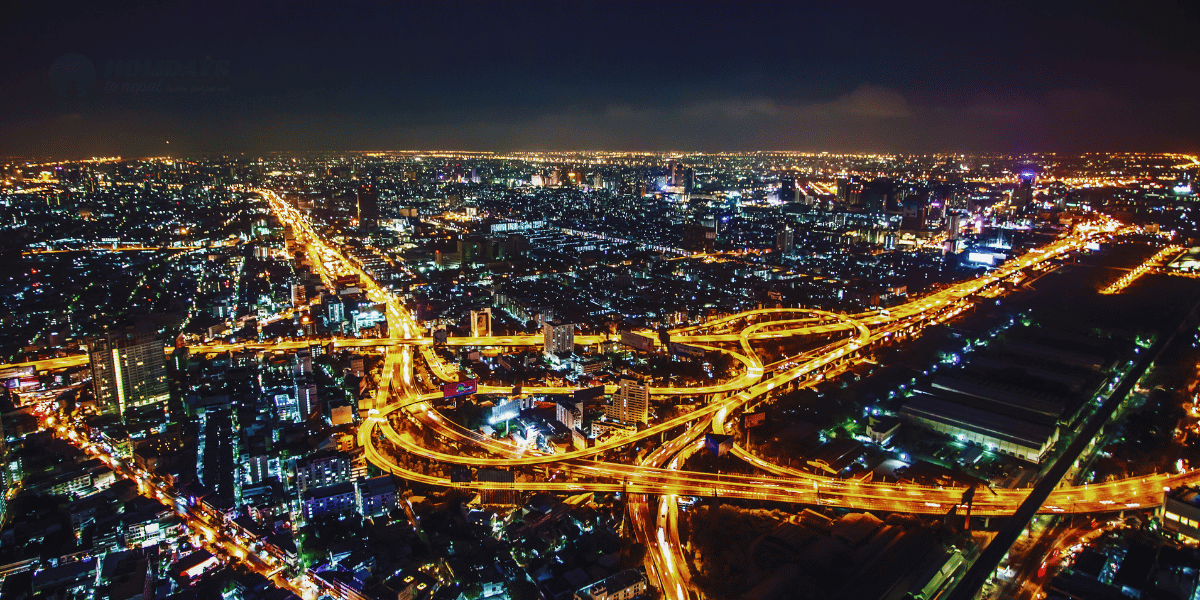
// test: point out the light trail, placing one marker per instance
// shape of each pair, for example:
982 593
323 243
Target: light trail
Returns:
1117 286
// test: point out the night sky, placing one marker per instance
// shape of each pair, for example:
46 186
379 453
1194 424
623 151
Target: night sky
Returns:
970 77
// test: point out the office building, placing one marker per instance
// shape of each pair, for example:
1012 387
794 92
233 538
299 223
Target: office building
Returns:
698 238
286 408
953 225
631 403
129 379
787 189
913 212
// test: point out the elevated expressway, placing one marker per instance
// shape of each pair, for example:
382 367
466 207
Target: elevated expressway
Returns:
381 439
396 399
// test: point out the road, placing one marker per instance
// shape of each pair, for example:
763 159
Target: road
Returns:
847 338
206 529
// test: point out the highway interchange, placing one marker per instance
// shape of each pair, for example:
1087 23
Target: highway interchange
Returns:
400 401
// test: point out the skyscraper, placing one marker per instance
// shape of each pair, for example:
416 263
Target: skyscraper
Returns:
129 378
785 240
368 207
787 189
1023 195
912 217
849 191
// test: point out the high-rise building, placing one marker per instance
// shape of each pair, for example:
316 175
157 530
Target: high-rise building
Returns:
912 216
849 191
368 207
953 225
874 195
787 189
299 295
3 476
306 398
558 337
631 403
698 238
1023 195
303 365
129 378
569 412
785 240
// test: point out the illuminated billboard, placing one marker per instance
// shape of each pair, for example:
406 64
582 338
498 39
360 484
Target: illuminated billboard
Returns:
718 444
641 342
685 350
481 323
986 258
754 419
461 388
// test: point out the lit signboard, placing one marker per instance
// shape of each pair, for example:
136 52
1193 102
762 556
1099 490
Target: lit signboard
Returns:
986 258
754 419
461 388
718 444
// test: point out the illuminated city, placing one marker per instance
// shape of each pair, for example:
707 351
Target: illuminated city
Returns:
242 366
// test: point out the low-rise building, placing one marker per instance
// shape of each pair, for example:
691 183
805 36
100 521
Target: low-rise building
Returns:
339 498
626 585
1180 514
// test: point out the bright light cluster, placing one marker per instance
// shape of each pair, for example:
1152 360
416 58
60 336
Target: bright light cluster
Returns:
1141 269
